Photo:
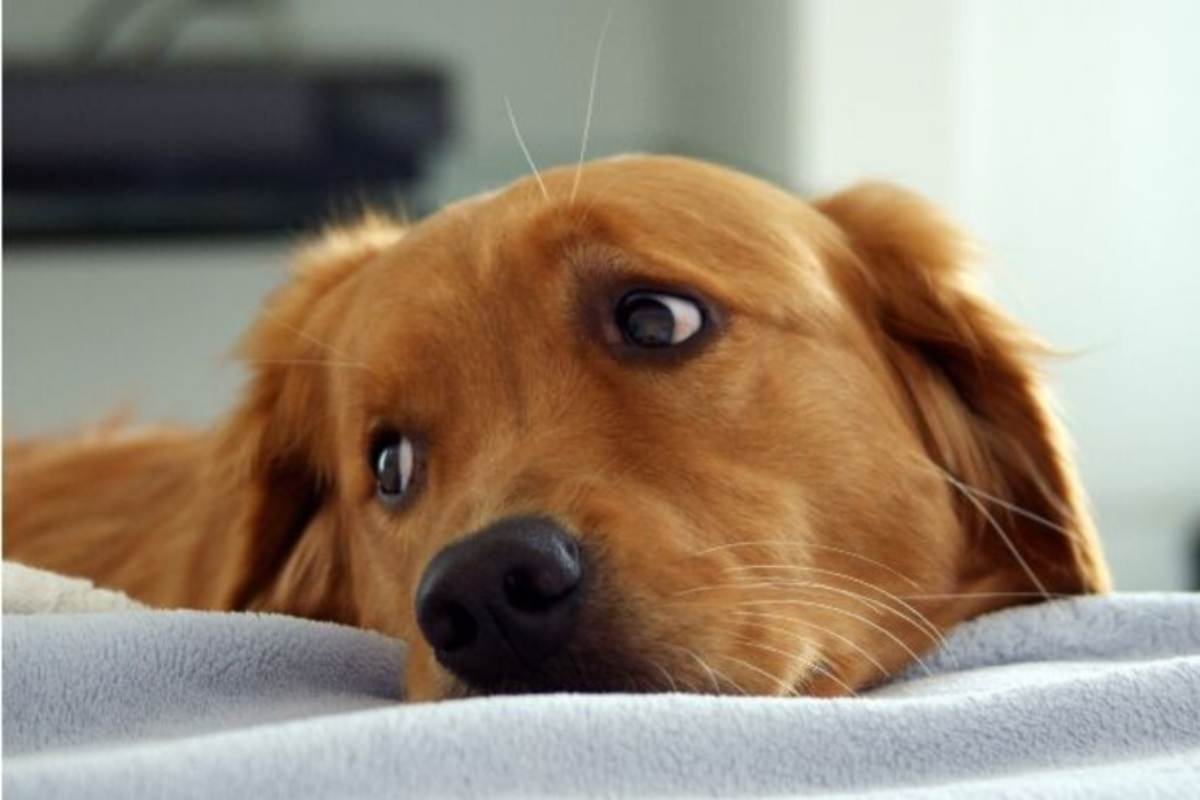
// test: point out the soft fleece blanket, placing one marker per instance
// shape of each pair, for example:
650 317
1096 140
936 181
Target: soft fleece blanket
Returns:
1092 697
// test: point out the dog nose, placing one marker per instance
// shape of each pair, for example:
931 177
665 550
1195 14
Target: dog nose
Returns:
500 602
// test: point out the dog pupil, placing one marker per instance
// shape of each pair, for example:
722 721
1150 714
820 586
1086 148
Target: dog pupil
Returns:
646 322
387 470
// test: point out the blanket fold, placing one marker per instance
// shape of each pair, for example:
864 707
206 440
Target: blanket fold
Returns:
1090 697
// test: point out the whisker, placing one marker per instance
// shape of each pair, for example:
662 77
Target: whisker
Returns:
712 671
935 637
665 674
1021 512
920 620
808 664
837 610
521 141
942 472
1004 537
807 546
951 596
790 690
587 120
712 676
848 642
305 335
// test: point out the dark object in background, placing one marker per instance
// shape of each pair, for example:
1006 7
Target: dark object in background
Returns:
1194 577
191 149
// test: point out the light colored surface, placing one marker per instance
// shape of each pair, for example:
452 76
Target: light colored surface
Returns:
36 591
1063 135
878 95
1039 701
89 331
1081 178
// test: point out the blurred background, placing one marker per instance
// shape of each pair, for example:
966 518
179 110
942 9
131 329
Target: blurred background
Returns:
161 156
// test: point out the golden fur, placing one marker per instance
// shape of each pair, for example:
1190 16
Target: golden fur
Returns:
859 457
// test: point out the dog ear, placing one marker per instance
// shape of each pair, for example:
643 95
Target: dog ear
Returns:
969 374
273 456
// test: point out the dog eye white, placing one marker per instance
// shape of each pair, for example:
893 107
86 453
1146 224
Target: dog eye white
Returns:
655 319
394 463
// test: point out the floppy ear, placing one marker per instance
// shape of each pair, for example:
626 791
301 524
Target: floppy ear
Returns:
273 456
969 375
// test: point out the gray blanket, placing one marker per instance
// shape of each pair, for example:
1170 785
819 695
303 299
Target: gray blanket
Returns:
1095 697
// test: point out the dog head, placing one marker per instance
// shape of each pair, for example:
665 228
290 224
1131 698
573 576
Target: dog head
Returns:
669 428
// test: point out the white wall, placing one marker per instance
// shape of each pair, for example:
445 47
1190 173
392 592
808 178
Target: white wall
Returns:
89 331
878 95
1063 134
1083 178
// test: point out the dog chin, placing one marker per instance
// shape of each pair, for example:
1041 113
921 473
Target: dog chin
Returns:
570 673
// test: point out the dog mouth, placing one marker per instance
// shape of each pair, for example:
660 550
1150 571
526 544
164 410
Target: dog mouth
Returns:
609 664
608 652
574 670
605 656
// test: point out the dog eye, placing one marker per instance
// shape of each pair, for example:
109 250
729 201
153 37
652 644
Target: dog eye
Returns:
654 320
394 461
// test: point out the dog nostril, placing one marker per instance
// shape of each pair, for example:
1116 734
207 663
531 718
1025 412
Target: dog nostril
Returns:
536 590
545 577
451 628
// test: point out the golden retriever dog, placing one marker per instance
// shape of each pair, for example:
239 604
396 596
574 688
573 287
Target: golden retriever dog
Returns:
644 425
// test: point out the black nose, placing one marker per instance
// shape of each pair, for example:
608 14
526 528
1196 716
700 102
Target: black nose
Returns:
499 603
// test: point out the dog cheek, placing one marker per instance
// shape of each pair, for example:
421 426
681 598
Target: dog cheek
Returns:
424 680
641 590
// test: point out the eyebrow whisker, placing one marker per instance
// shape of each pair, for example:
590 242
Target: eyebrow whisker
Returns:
512 118
587 120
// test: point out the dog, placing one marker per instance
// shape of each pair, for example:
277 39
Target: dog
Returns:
647 424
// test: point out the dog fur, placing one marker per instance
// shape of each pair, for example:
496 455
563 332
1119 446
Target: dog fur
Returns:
856 456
